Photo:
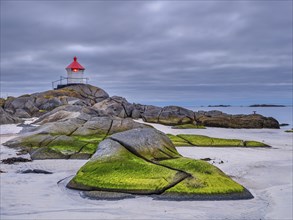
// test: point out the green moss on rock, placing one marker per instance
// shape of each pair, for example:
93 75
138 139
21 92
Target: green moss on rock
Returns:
77 144
205 141
205 178
90 138
289 130
92 142
47 153
61 144
35 141
255 144
201 140
123 173
124 166
189 126
177 141
66 148
89 148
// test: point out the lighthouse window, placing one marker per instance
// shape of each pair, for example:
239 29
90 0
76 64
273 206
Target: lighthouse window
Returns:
75 70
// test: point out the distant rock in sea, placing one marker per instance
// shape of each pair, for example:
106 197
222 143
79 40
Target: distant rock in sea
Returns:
266 105
219 106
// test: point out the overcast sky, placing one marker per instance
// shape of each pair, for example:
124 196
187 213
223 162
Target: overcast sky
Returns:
159 52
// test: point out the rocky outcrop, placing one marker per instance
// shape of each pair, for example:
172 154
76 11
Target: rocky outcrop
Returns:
169 115
69 111
144 161
2 102
6 118
174 115
219 119
36 171
205 141
115 106
37 104
90 101
13 160
149 143
70 137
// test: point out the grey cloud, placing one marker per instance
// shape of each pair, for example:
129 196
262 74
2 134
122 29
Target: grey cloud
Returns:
152 51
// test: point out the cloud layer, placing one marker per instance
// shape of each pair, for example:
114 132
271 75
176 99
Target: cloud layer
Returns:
160 52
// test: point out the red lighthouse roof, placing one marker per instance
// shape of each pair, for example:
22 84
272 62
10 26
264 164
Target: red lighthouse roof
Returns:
75 65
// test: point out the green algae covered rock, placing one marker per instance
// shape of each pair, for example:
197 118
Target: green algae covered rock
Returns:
144 161
177 141
189 126
255 144
205 178
114 168
201 140
205 141
73 138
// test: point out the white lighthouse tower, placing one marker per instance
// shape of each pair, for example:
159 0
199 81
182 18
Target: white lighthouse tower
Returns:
75 72
74 76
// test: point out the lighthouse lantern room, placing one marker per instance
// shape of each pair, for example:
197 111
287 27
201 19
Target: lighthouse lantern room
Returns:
75 73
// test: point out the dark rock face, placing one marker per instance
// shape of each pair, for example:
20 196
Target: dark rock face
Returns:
6 118
170 115
212 113
115 106
174 115
21 113
13 160
100 195
37 171
151 114
37 104
2 102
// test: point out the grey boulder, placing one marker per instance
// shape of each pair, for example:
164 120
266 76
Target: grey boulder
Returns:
6 118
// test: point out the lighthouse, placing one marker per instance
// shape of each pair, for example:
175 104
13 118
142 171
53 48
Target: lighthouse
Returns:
75 72
75 76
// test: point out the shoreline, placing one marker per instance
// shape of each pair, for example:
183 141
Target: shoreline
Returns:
265 172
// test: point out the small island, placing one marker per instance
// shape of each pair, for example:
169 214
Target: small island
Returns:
266 105
219 105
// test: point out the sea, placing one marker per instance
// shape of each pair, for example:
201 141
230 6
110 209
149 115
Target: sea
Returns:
284 115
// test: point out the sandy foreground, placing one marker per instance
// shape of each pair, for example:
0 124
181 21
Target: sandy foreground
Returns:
267 173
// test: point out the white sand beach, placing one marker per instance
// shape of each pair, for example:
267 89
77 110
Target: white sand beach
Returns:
267 173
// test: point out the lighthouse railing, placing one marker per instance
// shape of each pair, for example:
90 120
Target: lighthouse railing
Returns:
63 82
